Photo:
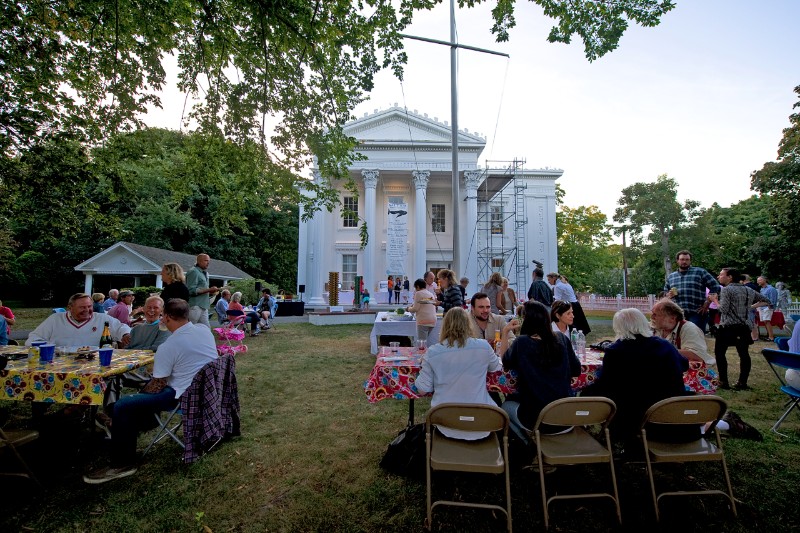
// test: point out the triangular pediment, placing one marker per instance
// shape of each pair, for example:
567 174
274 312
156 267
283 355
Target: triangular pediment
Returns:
398 125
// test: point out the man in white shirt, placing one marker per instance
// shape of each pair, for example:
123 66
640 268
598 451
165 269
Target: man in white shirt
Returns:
79 326
668 322
178 359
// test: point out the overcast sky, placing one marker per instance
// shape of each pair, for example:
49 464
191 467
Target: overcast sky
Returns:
703 97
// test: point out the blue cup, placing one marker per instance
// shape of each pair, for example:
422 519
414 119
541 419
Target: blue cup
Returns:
105 356
46 353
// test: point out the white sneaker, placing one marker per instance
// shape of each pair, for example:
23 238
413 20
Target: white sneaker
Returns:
108 474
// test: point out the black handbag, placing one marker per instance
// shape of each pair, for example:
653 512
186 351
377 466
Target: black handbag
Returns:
405 455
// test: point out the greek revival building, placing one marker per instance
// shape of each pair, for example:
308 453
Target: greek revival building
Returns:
506 213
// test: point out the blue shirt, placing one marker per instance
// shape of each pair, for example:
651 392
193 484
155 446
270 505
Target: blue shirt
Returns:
771 294
3 330
691 286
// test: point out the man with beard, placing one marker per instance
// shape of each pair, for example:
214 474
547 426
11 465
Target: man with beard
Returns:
687 288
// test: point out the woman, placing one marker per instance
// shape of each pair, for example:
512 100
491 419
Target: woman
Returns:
565 293
251 317
784 297
174 283
398 287
451 294
545 365
562 317
425 307
636 352
390 285
505 299
97 302
492 288
455 369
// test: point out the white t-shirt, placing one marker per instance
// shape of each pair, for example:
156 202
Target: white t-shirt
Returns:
183 354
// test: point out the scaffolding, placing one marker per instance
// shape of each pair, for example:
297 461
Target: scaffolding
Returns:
501 221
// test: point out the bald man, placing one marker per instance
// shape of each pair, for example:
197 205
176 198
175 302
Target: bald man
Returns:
199 291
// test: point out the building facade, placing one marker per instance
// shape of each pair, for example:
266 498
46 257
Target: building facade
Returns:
506 213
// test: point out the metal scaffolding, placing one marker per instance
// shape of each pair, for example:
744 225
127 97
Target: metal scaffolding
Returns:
501 223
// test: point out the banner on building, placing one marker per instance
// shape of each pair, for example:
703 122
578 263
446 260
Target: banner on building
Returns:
396 239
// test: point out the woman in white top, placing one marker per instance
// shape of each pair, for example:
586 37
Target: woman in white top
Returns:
455 369
561 316
506 299
425 307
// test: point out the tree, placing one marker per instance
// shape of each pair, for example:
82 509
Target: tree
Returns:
781 181
654 208
583 237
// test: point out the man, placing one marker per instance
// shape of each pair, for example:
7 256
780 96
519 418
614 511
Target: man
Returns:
462 284
79 326
668 321
687 288
222 306
540 290
149 335
430 282
111 301
178 359
199 292
765 313
735 301
122 311
485 323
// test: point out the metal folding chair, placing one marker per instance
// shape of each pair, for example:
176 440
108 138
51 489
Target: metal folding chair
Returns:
576 446
486 455
787 361
9 441
692 411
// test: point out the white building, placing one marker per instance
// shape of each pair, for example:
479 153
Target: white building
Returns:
506 216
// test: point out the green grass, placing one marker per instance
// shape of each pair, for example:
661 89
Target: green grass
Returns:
308 458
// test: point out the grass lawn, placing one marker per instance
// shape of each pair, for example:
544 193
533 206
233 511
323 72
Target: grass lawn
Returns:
308 458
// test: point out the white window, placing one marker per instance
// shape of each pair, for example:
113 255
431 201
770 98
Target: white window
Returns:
437 218
497 219
498 262
350 212
349 270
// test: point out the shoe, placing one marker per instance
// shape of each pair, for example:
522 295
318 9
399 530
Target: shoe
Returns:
262 323
255 333
724 386
741 386
108 474
103 421
739 429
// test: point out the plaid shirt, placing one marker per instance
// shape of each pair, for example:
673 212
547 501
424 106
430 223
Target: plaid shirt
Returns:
691 286
735 301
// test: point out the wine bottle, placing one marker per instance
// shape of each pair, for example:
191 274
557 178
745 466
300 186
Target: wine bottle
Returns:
105 339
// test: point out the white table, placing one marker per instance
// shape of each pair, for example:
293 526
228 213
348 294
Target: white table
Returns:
405 328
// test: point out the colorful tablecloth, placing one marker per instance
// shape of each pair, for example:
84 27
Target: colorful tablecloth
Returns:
66 379
395 379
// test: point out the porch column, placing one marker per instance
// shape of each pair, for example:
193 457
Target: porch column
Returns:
316 281
420 178
469 261
87 283
368 263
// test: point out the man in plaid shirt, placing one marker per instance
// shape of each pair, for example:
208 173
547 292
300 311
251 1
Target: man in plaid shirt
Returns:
177 361
687 288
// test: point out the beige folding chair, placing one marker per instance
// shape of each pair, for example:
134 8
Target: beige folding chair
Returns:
484 456
576 446
9 440
686 410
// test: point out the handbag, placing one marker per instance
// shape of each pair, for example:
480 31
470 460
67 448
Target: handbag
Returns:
405 455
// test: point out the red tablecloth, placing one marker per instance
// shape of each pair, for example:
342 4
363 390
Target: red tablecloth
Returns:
778 320
394 378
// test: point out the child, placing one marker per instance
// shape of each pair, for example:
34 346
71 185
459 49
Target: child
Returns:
365 299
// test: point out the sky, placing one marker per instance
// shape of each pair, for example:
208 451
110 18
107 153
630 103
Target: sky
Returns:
703 97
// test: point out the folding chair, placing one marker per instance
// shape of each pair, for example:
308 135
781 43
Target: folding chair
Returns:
483 456
9 440
207 411
789 361
685 410
782 343
576 446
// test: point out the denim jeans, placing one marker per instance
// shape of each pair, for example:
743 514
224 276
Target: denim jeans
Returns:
697 319
511 407
132 413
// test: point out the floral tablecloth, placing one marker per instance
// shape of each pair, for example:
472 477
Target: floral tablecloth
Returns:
66 379
395 379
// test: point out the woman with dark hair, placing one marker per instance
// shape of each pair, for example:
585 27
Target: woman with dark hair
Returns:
450 292
561 317
545 364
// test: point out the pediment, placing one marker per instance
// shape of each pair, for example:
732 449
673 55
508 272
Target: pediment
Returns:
119 259
398 126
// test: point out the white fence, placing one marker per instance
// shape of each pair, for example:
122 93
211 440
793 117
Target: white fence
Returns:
605 303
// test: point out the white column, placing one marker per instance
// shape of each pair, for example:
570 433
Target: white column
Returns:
316 280
370 250
87 283
420 178
302 248
469 252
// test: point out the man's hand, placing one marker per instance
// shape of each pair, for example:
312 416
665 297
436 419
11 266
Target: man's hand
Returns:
124 341
513 325
155 385
703 309
213 290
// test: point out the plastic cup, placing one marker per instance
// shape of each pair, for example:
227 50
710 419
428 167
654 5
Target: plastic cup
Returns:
46 353
105 356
